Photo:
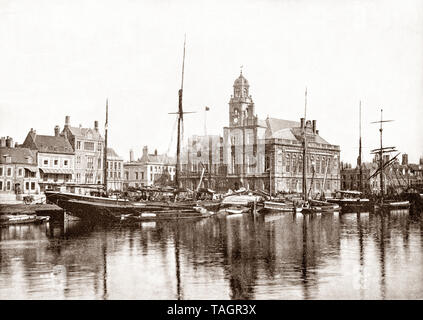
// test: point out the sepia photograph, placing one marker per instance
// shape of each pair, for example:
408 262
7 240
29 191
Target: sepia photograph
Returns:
211 151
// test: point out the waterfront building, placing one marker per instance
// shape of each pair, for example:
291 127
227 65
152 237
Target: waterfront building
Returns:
350 177
18 172
150 169
203 152
398 176
55 158
115 171
88 145
267 154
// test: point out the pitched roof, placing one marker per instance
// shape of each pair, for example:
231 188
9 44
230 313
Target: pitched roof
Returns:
85 132
159 158
18 155
52 144
274 125
111 154
284 134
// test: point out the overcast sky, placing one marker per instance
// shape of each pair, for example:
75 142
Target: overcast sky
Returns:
61 58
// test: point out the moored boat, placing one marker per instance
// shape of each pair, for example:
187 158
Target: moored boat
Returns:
97 212
392 205
18 219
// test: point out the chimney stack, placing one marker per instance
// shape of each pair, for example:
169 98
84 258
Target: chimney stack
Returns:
302 123
131 155
56 131
2 142
317 132
16 145
404 159
145 151
314 126
155 152
385 158
67 121
9 142
96 126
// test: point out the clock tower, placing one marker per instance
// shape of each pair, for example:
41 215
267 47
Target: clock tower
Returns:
241 106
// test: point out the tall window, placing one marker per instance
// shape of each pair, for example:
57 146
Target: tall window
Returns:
9 172
99 163
99 146
288 163
1 171
1 185
90 162
8 186
317 165
78 145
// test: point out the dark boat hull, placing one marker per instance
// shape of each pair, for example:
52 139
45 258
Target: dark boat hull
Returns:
58 197
97 212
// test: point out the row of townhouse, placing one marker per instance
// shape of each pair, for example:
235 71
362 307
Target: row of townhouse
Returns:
71 159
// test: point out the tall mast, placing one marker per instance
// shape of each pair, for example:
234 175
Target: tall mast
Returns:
380 151
359 155
105 147
180 119
381 157
304 150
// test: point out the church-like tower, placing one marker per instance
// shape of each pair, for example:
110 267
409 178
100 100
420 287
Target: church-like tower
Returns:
241 105
243 153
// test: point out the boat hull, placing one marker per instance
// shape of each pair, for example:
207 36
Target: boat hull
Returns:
97 212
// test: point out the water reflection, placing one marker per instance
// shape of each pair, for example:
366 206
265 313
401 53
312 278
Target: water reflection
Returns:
279 256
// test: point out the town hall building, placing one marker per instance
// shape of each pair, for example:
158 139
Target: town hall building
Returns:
267 154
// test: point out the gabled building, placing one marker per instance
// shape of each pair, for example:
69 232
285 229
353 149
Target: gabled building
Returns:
88 145
55 158
18 172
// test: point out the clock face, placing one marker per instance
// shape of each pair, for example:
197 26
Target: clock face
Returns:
235 120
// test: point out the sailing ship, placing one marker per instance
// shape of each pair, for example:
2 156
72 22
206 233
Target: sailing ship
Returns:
96 208
385 204
353 200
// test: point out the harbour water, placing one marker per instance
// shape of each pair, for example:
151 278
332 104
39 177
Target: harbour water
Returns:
280 256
